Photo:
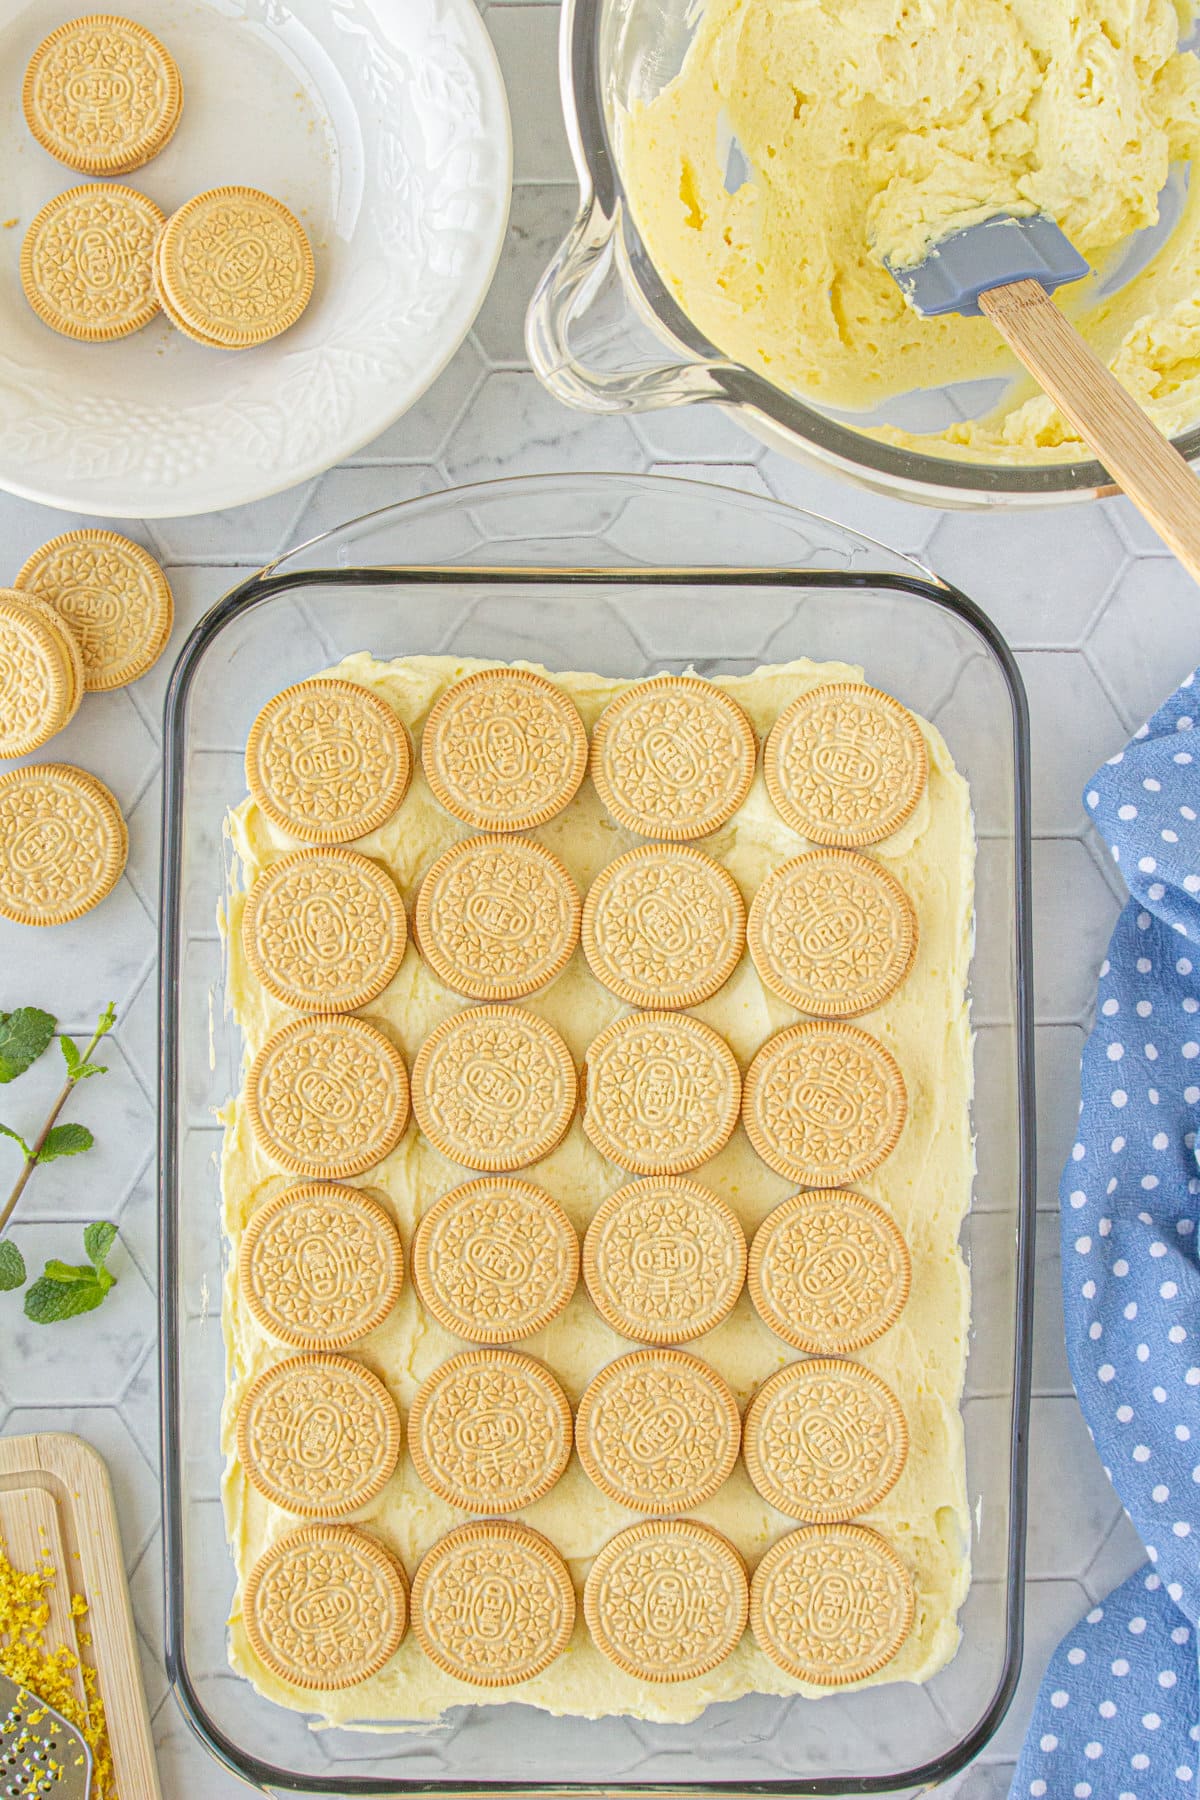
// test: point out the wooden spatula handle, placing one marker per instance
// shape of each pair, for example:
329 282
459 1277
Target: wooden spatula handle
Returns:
1135 453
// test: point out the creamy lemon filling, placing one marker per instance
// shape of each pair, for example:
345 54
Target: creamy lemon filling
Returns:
925 1186
869 129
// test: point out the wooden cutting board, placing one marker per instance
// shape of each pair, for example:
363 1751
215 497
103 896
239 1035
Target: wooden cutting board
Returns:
56 1505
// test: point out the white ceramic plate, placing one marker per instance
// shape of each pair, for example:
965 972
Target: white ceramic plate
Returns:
384 125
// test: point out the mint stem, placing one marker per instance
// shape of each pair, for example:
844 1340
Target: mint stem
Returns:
36 1147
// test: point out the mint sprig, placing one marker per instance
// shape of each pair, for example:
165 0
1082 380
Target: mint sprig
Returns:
64 1290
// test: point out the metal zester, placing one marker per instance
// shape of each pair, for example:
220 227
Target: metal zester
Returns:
42 1757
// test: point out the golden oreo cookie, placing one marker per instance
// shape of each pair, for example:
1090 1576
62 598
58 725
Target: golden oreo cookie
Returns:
112 597
87 262
102 94
318 1435
664 926
661 1093
845 764
328 761
673 757
658 1431
494 1088
325 1607
41 673
824 1103
63 844
832 933
666 1600
490 1431
495 1260
831 1604
829 1271
177 320
664 1260
504 750
824 1440
497 918
324 930
327 1096
493 1603
234 267
320 1266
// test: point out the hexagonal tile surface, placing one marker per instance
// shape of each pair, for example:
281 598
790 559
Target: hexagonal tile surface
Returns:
1137 642
1060 683
241 534
514 427
1062 1458
1105 622
1074 911
424 428
526 40
1058 1050
86 1360
1070 558
538 221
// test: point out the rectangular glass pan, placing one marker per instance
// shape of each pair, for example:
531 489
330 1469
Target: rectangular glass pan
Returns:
628 576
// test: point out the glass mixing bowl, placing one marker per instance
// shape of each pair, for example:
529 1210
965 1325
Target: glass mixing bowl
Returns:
602 313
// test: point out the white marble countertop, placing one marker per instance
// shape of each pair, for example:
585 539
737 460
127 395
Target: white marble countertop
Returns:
1104 625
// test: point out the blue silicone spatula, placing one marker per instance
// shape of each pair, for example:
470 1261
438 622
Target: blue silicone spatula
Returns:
1007 268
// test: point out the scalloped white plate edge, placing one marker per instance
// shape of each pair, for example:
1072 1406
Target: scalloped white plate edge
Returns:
147 505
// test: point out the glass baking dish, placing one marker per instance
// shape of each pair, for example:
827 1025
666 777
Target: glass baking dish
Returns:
606 332
629 576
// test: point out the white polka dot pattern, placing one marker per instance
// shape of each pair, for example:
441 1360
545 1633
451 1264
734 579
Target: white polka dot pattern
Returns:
1118 1713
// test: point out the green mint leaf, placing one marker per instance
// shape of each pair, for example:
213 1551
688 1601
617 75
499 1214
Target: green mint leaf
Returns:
98 1240
65 1140
89 1068
61 1271
12 1267
6 1131
48 1300
24 1034
107 1019
71 1055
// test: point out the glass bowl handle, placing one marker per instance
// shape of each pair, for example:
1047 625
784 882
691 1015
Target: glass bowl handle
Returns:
581 309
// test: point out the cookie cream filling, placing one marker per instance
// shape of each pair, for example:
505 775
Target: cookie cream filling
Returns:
869 132
924 1185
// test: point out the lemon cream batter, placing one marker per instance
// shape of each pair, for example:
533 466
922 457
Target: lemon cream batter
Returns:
925 1184
872 128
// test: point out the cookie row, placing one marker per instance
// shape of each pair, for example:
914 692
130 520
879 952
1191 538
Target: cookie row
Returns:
231 268
493 1603
657 1431
671 758
663 926
495 1261
494 1088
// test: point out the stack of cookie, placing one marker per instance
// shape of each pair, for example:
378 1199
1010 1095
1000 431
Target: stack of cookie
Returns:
494 1089
231 268
89 612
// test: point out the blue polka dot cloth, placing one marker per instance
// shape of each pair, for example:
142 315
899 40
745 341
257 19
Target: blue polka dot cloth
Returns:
1118 1713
